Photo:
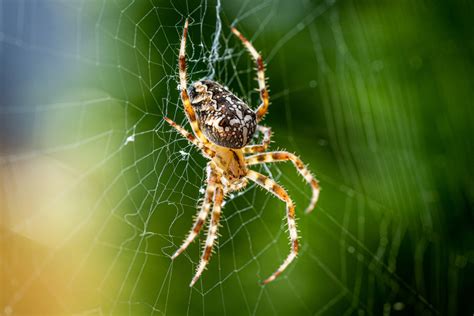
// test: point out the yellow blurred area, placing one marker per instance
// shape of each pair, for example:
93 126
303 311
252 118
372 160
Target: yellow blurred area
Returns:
50 214
36 222
36 193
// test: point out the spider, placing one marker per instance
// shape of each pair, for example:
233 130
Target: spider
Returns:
223 126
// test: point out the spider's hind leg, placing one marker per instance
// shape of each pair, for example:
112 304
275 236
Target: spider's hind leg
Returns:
202 215
272 187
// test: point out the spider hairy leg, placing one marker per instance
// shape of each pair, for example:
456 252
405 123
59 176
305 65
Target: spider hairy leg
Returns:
188 109
182 57
272 187
236 187
263 107
267 134
206 150
222 125
278 156
212 233
202 215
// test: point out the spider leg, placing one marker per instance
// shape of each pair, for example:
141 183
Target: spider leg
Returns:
190 114
206 150
267 134
277 156
263 107
202 215
272 187
212 233
236 187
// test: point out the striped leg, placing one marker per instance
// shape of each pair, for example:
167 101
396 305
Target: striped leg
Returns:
190 114
206 150
212 233
272 187
236 187
262 109
285 156
202 215
267 134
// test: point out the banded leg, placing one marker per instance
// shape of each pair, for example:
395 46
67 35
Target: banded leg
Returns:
237 187
272 187
202 215
206 150
263 107
190 114
212 233
277 156
267 134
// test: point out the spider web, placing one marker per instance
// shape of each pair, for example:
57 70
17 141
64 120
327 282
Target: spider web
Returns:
98 191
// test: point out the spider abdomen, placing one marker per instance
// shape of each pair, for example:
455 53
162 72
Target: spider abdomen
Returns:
224 119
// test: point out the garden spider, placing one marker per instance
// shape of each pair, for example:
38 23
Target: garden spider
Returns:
223 125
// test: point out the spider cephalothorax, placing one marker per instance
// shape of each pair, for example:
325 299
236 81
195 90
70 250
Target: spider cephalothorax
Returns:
224 118
223 126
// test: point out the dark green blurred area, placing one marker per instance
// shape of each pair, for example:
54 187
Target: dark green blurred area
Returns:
375 96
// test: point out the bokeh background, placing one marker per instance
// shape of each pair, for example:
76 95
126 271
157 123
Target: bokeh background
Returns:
97 192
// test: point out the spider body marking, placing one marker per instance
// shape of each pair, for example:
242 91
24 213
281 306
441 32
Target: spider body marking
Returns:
223 126
224 118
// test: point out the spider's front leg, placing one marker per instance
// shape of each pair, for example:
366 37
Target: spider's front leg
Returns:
277 156
202 215
212 233
272 187
267 134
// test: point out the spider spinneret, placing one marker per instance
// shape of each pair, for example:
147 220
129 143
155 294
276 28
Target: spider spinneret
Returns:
223 126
